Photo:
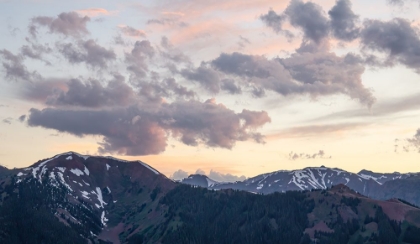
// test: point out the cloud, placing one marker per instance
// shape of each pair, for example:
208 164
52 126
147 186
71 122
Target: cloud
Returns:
214 175
343 21
130 31
220 177
310 18
408 144
171 53
22 118
167 21
15 68
36 51
275 22
383 108
120 136
137 59
396 38
88 52
320 154
94 12
7 121
179 175
93 94
207 77
67 24
40 90
314 72
317 130
230 86
191 122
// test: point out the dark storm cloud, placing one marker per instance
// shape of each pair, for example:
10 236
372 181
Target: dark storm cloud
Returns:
67 24
343 21
310 18
315 73
14 67
396 38
133 32
88 52
319 154
144 130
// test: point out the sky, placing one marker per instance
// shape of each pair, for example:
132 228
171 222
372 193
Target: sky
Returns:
231 89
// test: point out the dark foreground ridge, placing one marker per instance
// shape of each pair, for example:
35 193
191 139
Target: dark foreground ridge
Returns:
73 198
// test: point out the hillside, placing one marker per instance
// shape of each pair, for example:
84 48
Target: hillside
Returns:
73 198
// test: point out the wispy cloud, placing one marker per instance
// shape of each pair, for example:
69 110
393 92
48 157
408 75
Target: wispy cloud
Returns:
95 12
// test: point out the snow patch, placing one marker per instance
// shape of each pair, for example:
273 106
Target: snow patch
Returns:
20 174
69 158
77 172
103 218
62 169
148 166
107 167
210 182
61 177
100 199
109 190
86 171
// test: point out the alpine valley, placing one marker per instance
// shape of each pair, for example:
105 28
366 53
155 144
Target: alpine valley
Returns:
73 198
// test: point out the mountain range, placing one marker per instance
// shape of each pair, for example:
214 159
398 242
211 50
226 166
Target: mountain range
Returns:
74 198
380 186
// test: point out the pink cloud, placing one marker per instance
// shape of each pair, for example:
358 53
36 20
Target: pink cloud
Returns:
94 12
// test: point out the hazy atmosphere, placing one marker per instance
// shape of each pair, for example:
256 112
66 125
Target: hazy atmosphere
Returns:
231 89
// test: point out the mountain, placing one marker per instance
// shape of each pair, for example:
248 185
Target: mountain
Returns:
381 178
103 197
199 180
376 185
4 172
407 189
73 198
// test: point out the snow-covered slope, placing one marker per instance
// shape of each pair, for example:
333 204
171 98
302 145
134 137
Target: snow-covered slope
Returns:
97 184
304 179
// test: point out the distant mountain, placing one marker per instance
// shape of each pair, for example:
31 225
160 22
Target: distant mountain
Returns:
382 178
376 185
199 180
73 198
